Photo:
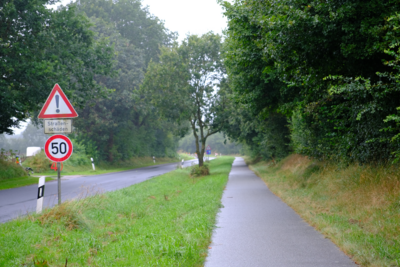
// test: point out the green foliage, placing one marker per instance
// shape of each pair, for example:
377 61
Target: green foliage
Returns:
79 157
122 125
40 47
265 136
133 22
329 66
9 170
40 163
300 135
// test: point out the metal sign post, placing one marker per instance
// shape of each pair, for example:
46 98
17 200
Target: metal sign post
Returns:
59 181
58 148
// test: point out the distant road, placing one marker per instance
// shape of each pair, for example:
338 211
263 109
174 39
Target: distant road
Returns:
20 201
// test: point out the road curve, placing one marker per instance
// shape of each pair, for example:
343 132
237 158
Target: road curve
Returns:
21 201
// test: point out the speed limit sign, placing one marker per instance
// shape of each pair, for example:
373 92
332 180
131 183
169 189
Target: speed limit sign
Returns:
58 148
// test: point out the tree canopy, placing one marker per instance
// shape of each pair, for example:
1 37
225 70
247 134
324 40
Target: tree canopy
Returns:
121 125
40 47
326 65
183 86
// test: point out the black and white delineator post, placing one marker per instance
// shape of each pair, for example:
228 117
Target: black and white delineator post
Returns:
154 159
40 195
93 164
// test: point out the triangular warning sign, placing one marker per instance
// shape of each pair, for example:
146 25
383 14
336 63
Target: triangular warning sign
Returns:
57 106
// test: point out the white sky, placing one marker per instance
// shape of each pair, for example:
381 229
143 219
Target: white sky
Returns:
186 16
189 16
182 16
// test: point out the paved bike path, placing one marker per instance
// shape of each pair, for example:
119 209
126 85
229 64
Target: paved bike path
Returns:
255 228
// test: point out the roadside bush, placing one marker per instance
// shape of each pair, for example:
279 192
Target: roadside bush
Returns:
197 171
79 156
10 170
39 162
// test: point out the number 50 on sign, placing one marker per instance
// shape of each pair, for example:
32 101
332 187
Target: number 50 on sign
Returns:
58 148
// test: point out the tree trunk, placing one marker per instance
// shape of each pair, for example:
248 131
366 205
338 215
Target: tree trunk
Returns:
198 151
201 152
201 161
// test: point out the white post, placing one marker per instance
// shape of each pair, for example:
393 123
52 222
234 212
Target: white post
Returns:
93 164
182 163
40 195
154 159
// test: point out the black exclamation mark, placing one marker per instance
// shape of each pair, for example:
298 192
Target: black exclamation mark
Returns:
57 100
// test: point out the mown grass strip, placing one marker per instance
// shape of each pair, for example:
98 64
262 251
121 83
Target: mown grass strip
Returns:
20 181
165 221
357 207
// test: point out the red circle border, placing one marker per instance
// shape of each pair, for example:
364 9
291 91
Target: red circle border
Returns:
66 139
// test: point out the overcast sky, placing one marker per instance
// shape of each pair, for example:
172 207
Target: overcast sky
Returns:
186 16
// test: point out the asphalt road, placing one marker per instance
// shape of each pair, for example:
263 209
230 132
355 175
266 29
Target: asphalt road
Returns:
21 201
256 229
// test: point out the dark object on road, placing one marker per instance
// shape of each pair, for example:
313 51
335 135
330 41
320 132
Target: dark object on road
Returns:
29 169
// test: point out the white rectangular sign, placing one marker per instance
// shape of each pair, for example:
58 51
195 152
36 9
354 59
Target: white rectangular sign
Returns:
58 126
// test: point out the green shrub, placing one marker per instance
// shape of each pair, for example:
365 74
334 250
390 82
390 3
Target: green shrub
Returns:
78 157
197 171
10 170
39 162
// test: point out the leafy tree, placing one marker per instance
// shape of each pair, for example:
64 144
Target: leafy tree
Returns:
40 47
182 86
134 22
265 136
258 96
121 125
286 49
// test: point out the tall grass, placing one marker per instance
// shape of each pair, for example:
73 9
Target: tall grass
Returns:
165 221
10 170
358 207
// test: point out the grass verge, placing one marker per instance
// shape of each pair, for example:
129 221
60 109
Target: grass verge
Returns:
164 221
20 181
10 169
357 207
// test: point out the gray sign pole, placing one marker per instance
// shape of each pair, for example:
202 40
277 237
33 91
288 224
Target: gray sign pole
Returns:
59 182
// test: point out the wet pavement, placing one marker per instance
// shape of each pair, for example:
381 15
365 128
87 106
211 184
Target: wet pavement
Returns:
21 201
255 228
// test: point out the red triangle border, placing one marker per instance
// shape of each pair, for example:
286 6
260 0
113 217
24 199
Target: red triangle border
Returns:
58 89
